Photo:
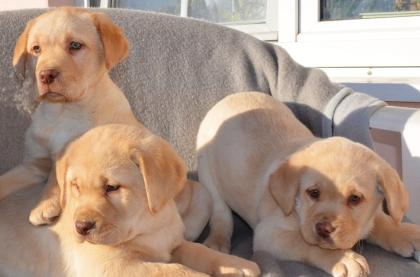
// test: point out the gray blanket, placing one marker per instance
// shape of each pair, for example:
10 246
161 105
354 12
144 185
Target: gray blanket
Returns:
177 69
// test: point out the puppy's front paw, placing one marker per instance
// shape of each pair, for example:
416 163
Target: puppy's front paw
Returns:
405 241
218 243
351 264
232 266
46 212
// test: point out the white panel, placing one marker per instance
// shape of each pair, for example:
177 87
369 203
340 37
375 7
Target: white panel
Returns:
22 4
184 8
288 12
407 122
411 164
356 53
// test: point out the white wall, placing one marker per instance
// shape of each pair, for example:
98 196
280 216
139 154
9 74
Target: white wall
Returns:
22 4
34 4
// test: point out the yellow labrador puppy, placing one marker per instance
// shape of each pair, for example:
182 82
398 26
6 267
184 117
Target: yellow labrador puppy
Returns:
307 199
72 51
119 217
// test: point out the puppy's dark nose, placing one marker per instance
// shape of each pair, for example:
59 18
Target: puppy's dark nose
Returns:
48 76
324 229
83 227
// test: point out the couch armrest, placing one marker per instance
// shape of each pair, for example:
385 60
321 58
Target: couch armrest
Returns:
405 121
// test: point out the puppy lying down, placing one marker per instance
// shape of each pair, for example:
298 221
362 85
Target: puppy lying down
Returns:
307 199
119 218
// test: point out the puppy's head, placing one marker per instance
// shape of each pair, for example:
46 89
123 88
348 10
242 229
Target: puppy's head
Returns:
70 49
336 186
116 180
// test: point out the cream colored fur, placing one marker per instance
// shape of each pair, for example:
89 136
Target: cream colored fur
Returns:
137 229
257 159
81 97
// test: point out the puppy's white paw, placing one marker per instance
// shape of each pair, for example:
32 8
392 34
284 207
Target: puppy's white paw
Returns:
237 267
218 243
234 272
46 212
351 265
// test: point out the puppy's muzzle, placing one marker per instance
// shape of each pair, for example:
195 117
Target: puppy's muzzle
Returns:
48 76
85 227
324 229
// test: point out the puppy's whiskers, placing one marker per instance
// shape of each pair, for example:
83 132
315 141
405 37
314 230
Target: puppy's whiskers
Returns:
359 246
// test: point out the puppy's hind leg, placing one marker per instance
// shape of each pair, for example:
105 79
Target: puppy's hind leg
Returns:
221 227
221 221
195 205
403 238
24 175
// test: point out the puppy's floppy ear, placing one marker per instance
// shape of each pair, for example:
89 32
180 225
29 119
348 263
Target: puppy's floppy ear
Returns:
395 193
284 185
164 172
20 55
114 42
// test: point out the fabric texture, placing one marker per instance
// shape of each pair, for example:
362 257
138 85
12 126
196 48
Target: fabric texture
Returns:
176 71
329 110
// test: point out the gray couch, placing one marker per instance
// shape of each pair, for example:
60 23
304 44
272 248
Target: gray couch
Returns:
176 70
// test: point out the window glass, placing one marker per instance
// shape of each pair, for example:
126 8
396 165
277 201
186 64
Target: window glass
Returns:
360 9
90 3
220 11
229 11
163 6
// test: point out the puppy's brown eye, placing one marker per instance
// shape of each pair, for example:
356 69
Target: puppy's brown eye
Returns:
36 49
313 193
111 188
74 45
354 200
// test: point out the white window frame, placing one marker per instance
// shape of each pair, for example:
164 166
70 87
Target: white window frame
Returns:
347 43
264 30
379 50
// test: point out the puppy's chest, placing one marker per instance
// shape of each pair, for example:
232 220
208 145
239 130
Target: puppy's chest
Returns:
78 265
88 260
53 126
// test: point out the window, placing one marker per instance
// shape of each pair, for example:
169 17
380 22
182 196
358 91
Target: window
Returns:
163 6
356 41
363 9
353 41
257 17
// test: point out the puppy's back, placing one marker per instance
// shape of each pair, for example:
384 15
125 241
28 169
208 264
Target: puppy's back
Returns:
240 141
251 111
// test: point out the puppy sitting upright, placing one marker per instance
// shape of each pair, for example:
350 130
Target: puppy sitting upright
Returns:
119 217
307 199
72 51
